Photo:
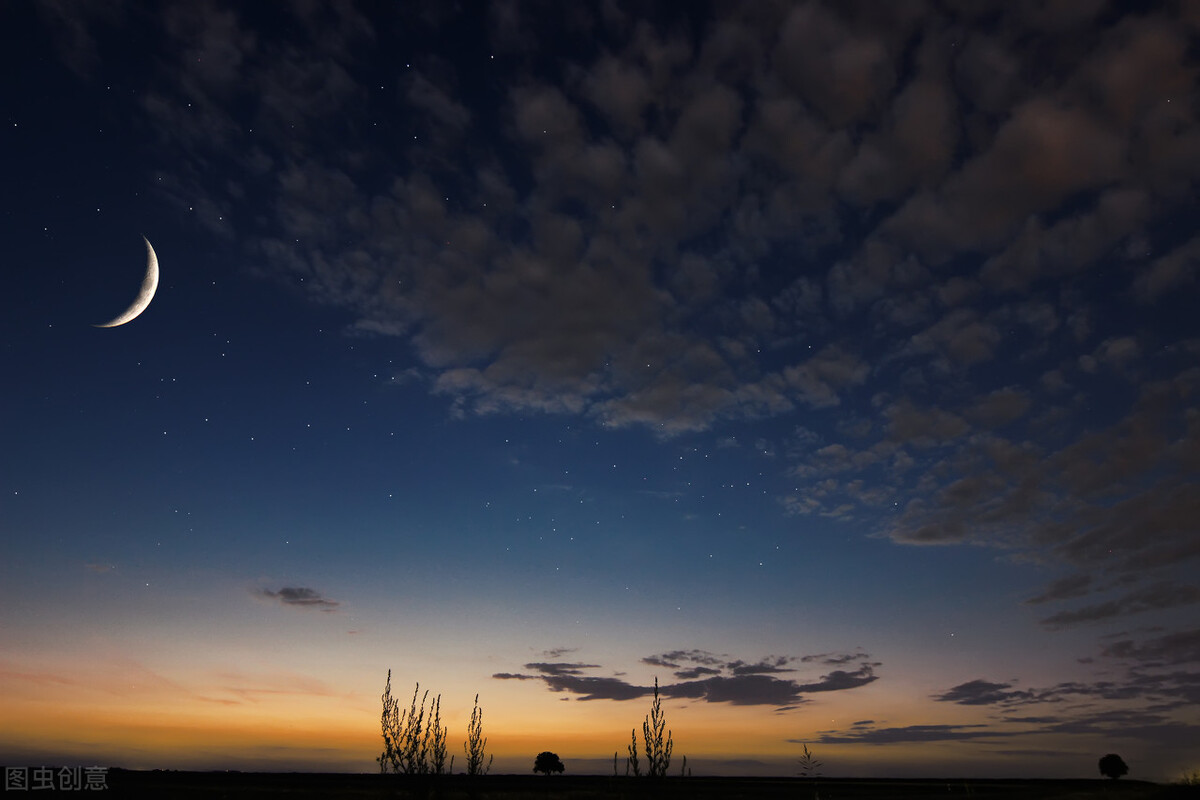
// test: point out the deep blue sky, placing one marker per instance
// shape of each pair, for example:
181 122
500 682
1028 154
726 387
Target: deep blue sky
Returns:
834 364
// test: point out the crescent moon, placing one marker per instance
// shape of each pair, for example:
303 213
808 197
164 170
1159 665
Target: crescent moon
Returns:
145 295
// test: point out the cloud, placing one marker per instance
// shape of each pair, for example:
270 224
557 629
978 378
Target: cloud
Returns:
761 667
1065 588
1115 500
931 427
911 733
1175 270
961 337
301 597
999 407
622 204
1181 647
839 679
980 693
1151 679
793 213
560 670
1159 595
711 678
833 659
692 673
819 379
1145 702
558 652
675 658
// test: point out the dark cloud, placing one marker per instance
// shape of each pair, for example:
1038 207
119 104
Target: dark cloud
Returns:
761 667
702 663
692 673
841 679
1154 727
739 690
1064 589
1155 596
1175 270
710 678
301 597
912 733
981 693
833 659
1182 647
593 688
1151 682
676 658
557 670
1152 700
558 652
999 407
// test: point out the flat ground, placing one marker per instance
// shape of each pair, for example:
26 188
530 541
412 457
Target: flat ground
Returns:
309 786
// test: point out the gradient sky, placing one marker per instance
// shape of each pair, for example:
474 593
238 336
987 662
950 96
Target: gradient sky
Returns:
833 363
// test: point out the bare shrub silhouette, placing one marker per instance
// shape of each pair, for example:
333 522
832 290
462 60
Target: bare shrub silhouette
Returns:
476 743
1113 766
657 743
809 764
410 745
658 749
547 762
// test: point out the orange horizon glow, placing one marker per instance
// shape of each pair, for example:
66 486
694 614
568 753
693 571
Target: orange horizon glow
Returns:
289 731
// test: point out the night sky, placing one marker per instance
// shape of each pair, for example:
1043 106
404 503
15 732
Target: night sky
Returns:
835 364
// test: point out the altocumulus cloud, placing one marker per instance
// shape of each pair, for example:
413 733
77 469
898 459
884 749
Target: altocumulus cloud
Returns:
871 218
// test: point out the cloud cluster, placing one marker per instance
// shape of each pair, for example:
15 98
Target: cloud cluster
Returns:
963 231
1156 673
1150 693
708 677
572 239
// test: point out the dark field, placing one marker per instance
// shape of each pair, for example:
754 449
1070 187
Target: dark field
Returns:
186 785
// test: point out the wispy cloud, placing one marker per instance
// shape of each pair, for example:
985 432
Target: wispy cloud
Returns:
911 733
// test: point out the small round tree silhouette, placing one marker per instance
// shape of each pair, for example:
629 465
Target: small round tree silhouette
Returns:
547 762
1113 766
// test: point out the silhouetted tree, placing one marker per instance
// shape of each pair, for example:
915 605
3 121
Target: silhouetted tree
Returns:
1113 766
547 762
